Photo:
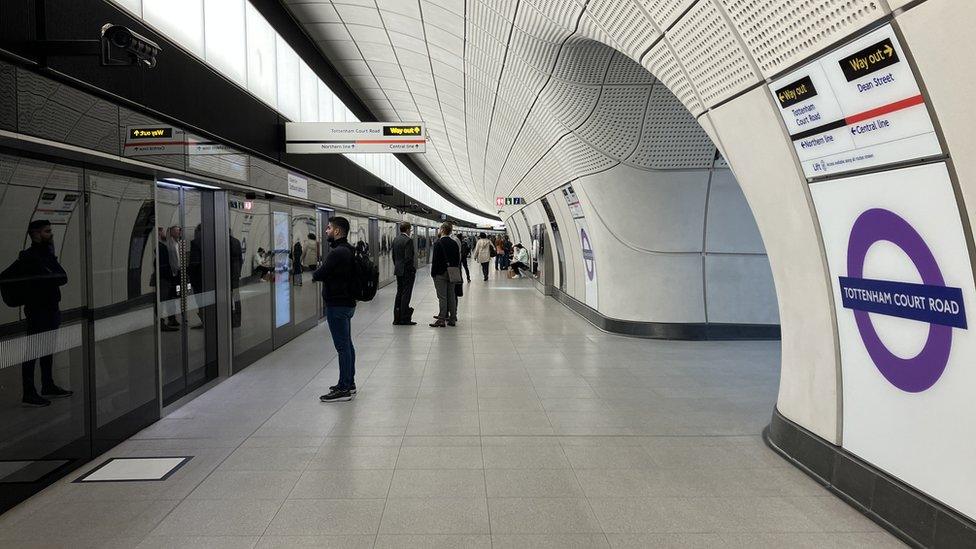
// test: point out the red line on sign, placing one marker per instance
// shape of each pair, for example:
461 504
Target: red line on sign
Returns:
370 141
885 109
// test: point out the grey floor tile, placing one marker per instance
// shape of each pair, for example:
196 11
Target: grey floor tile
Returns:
343 484
438 483
268 459
532 483
246 485
435 516
549 541
435 457
218 518
198 542
319 542
439 541
333 457
675 541
89 519
877 540
541 516
525 457
307 517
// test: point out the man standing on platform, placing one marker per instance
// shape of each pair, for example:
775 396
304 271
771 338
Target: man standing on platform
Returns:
337 275
405 269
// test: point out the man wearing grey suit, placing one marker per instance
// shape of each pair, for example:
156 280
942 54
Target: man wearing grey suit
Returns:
405 269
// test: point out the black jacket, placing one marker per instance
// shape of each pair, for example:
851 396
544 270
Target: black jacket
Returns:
336 275
446 254
404 259
43 277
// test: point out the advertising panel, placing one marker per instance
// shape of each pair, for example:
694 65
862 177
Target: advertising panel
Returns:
903 286
856 107
282 267
355 137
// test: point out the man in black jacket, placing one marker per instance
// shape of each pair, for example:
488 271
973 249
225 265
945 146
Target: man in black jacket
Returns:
42 277
405 269
447 253
337 275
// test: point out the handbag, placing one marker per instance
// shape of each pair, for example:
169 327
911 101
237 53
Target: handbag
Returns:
454 275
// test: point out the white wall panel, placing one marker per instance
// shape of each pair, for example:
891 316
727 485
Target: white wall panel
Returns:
739 289
651 210
809 390
642 286
948 87
261 76
182 21
730 227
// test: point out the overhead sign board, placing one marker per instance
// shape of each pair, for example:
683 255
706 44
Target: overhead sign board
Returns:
903 291
153 140
857 107
355 137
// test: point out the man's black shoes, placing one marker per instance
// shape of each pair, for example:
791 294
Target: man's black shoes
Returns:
55 392
352 389
336 396
35 401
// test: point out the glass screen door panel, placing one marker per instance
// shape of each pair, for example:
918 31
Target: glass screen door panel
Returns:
187 298
306 252
250 279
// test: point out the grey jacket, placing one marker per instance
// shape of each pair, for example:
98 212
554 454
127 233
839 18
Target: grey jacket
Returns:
404 259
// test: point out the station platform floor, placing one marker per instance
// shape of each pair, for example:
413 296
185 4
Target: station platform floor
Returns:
524 426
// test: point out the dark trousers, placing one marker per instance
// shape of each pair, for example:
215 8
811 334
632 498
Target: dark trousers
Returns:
464 265
39 322
484 268
340 326
401 304
518 266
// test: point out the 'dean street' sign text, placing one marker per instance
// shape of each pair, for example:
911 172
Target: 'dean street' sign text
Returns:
355 137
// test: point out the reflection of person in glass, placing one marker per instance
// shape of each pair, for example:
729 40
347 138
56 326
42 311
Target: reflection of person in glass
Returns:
236 264
168 278
195 265
42 277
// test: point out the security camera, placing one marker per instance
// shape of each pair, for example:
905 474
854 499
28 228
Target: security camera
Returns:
123 46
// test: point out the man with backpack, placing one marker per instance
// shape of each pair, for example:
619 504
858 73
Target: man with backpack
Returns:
34 281
338 275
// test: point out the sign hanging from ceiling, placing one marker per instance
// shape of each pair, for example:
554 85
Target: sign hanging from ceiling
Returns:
857 107
355 137
153 140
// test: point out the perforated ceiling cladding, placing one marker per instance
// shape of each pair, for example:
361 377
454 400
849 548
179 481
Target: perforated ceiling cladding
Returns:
780 33
520 96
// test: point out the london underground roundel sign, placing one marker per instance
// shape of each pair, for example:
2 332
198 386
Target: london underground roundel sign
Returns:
931 302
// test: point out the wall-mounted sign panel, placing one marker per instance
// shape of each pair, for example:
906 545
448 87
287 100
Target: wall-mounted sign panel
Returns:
903 291
572 201
355 137
153 140
502 201
857 107
297 186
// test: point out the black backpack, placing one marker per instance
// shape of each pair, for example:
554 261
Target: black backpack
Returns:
366 279
12 285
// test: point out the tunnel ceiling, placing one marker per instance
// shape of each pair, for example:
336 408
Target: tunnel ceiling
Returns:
518 97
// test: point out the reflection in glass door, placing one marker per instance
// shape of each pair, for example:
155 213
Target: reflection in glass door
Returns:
186 288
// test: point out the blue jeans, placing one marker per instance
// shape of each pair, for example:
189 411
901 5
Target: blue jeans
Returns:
340 325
